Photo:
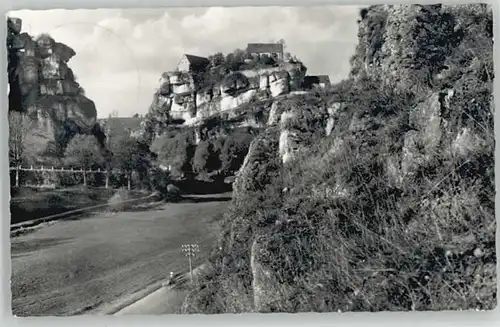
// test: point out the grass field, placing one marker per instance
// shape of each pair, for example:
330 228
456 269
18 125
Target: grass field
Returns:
28 204
71 267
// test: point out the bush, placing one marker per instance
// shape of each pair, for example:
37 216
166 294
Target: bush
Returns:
233 150
159 180
116 202
176 149
173 193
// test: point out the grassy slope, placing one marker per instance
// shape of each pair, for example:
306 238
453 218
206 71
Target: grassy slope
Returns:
426 243
40 204
74 266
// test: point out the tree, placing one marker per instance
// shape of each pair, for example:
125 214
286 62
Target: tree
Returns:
131 156
19 127
233 150
216 59
206 157
84 151
282 42
266 60
235 60
175 150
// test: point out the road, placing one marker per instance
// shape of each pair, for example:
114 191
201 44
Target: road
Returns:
163 301
79 266
167 299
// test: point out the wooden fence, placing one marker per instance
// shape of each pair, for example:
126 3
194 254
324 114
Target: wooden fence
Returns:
66 170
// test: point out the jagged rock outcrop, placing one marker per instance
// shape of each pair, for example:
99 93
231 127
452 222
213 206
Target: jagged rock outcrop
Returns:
408 47
364 212
304 120
437 62
179 100
42 85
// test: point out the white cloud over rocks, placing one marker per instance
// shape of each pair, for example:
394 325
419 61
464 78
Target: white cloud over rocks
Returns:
122 53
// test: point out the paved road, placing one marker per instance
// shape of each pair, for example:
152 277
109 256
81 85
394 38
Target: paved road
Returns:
167 299
163 301
73 267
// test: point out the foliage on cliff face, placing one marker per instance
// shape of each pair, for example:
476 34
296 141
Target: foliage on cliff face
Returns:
394 210
222 65
220 153
411 45
233 149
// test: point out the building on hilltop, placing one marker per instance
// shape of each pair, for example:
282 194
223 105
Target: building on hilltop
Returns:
273 50
192 63
316 80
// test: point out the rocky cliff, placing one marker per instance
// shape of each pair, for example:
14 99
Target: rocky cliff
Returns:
376 196
419 47
42 85
207 117
182 100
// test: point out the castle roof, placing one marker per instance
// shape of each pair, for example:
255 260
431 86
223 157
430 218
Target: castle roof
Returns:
196 60
264 47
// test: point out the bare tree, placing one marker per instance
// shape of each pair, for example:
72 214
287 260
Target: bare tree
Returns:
19 127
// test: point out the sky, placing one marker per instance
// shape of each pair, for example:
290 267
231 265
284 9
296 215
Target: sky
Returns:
121 54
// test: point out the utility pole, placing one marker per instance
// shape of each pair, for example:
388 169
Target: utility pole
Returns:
190 251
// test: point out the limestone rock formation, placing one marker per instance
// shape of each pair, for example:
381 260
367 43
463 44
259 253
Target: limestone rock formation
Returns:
408 47
181 100
43 85
375 176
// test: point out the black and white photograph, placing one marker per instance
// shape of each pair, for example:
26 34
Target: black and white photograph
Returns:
214 160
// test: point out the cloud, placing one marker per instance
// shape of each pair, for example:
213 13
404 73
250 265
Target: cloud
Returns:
122 53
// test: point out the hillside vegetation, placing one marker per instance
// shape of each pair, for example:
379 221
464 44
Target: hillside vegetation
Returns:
385 200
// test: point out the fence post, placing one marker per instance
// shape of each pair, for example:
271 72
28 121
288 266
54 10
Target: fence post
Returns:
17 175
84 177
